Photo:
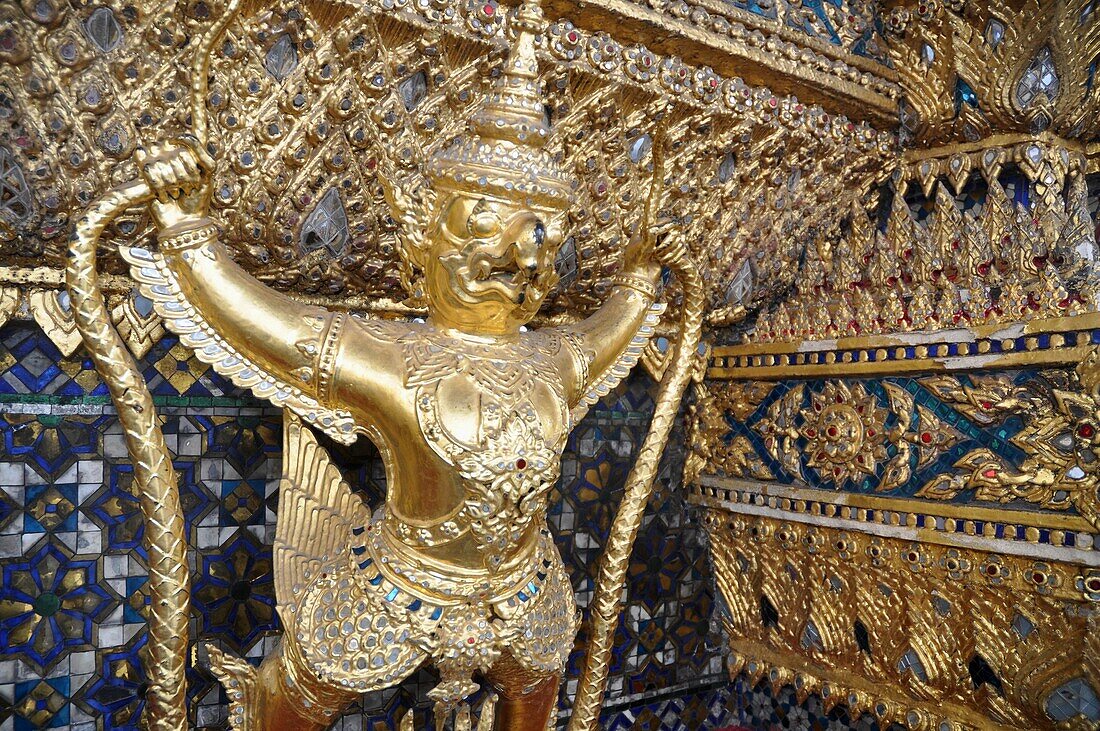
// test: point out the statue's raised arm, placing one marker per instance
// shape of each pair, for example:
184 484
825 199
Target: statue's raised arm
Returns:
259 337
608 343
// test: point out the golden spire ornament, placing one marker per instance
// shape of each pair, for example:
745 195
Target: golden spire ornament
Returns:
504 154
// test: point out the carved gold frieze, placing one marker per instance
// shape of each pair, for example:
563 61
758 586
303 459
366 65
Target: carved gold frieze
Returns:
1059 440
957 269
1000 438
925 635
824 51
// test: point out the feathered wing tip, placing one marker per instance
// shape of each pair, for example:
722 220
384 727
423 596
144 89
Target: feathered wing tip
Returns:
238 677
317 510
463 717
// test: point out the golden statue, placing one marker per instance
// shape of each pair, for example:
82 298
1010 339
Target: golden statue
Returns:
469 409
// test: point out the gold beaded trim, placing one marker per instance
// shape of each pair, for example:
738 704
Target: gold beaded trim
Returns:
189 239
638 284
326 357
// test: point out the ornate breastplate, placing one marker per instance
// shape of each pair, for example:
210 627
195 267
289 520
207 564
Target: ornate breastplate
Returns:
498 414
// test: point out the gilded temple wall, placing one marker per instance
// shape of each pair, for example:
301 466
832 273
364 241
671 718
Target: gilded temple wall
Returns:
890 506
905 522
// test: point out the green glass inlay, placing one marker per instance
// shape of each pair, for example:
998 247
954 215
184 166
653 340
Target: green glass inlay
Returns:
47 604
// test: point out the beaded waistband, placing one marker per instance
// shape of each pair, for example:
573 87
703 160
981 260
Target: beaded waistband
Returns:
403 581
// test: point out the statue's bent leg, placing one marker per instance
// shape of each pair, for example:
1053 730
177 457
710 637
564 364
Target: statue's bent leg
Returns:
281 695
526 699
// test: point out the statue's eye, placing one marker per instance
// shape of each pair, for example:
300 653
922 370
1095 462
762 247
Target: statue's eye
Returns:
483 224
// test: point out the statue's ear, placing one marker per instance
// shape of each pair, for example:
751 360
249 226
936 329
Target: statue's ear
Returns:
412 210
555 232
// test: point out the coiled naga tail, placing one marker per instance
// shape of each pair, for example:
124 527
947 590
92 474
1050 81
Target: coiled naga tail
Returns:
607 602
154 477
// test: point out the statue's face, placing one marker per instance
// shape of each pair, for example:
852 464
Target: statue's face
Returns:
491 265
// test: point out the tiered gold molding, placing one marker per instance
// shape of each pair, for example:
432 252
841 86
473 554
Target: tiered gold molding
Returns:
921 610
998 263
1049 536
842 593
737 42
1041 342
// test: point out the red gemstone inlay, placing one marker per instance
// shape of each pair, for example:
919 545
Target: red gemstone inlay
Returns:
1086 431
926 438
1093 584
488 10
572 36
990 473
521 464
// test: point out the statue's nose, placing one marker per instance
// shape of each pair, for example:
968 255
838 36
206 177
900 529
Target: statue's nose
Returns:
526 254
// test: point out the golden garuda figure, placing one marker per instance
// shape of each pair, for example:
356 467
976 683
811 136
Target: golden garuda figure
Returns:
470 410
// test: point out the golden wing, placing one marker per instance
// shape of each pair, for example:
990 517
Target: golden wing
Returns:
317 510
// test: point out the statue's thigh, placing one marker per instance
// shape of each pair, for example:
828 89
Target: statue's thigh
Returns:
527 699
511 680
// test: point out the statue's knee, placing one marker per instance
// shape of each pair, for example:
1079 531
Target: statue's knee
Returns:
296 698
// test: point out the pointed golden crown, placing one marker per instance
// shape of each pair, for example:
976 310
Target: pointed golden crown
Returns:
503 153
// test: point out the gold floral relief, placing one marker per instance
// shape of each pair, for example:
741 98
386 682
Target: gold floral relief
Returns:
839 435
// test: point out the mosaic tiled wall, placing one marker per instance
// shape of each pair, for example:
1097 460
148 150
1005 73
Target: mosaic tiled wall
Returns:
72 624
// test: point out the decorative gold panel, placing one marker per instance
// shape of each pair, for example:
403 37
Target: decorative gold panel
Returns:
972 69
929 635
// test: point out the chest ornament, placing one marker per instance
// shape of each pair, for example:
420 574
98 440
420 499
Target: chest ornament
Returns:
509 463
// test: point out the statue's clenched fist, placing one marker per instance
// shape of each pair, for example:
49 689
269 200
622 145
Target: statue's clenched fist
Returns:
179 174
